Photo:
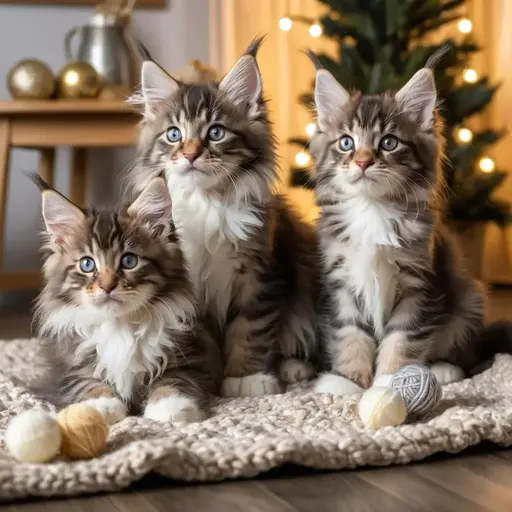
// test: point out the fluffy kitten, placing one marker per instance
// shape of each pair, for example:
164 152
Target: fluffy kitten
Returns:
395 292
252 260
117 311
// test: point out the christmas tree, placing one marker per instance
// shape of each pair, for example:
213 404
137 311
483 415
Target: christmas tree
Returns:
382 43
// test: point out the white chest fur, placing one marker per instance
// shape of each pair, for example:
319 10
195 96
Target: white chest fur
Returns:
210 232
371 257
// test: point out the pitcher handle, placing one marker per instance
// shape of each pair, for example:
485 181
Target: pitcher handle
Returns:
68 40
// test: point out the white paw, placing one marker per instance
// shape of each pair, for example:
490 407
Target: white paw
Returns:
295 370
383 380
446 372
111 408
174 409
257 384
336 385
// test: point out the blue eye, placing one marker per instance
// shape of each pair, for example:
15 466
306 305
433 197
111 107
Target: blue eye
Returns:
388 143
346 143
87 264
129 261
173 134
216 133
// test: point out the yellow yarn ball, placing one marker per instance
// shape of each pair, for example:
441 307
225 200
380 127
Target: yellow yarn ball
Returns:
84 431
382 407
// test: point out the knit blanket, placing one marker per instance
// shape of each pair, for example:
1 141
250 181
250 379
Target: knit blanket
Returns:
248 436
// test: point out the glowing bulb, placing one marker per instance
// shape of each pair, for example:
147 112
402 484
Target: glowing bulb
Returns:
464 135
486 164
315 30
285 24
302 159
310 129
470 76
465 26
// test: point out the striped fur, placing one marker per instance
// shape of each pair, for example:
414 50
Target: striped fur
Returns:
115 336
252 260
395 292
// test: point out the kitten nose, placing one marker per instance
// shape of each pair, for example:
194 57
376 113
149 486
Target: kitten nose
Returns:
107 287
364 164
191 157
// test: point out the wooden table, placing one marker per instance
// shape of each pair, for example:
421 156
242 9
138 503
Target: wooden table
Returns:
45 125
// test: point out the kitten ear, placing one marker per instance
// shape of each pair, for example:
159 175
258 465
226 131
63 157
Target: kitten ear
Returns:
61 216
153 206
156 84
242 84
330 96
418 97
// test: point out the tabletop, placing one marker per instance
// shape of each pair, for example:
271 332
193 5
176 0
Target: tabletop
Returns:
93 106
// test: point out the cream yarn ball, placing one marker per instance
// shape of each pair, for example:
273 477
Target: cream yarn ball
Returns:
419 388
381 407
33 436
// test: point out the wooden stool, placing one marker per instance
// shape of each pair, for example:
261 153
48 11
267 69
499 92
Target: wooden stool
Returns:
45 125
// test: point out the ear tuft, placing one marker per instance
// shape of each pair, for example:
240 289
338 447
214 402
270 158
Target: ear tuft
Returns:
330 97
242 84
60 215
153 205
418 97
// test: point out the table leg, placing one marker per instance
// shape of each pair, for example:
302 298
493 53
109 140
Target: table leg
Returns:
47 165
79 176
4 174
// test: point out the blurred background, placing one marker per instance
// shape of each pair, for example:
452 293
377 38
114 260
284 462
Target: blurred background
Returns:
62 105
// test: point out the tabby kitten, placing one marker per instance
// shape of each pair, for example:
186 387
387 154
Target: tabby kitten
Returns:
395 292
117 312
252 260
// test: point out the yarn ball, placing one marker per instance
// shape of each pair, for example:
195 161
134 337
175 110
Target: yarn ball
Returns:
33 436
84 431
381 407
419 388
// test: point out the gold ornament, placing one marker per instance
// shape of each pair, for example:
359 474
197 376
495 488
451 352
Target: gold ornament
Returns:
79 80
196 72
30 79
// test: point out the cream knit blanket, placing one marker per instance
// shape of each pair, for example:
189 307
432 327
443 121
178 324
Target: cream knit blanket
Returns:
248 436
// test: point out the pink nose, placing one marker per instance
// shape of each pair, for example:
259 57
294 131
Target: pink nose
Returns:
191 157
364 164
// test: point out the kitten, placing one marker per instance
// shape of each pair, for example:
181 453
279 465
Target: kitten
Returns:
252 260
395 292
117 312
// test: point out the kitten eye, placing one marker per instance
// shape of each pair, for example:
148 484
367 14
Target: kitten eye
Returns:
388 143
87 264
346 143
173 134
216 133
129 261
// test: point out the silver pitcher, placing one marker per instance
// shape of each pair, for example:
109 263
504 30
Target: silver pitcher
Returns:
109 46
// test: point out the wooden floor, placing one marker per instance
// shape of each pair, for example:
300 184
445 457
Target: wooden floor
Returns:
479 479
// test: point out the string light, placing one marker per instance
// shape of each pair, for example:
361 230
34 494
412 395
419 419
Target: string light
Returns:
486 164
310 129
285 24
302 159
464 135
465 26
470 76
315 30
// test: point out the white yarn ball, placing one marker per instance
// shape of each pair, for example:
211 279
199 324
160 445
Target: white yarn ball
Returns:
381 407
33 436
419 388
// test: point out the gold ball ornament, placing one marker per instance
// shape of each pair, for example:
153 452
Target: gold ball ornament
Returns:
84 431
31 79
79 80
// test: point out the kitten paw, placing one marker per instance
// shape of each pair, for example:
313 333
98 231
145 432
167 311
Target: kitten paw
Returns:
294 370
174 409
111 408
446 373
257 384
336 385
383 380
